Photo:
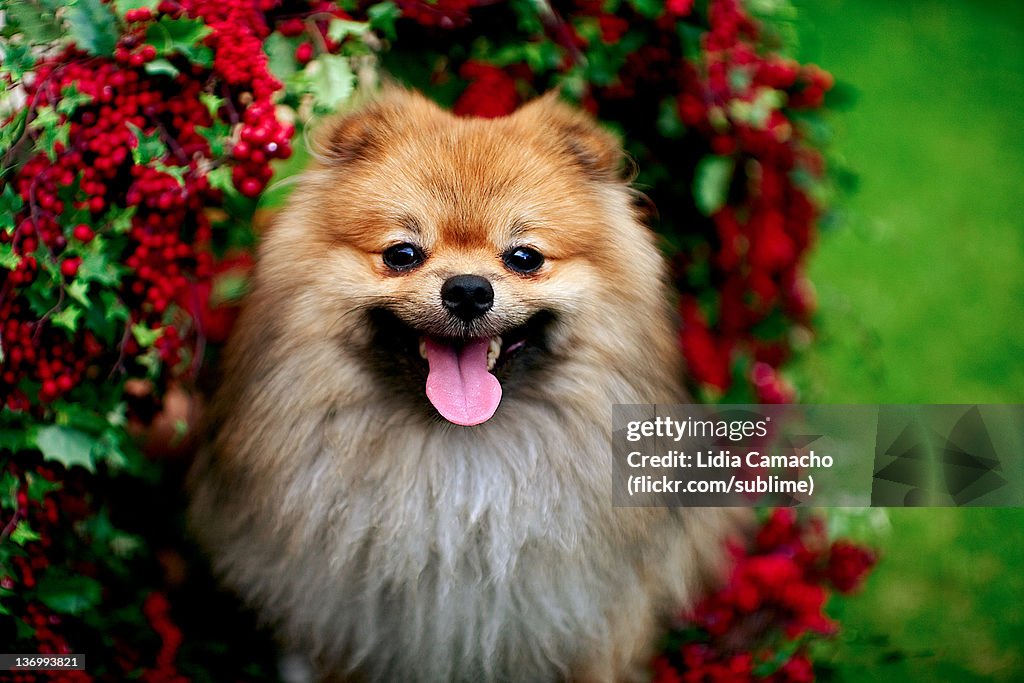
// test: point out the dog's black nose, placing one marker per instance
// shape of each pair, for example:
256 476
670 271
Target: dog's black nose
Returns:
467 296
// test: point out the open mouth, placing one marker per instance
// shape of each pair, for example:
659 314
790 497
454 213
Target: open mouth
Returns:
463 377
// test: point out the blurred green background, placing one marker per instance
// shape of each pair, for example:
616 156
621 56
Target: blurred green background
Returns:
921 292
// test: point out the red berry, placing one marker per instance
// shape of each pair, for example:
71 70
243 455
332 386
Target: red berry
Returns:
304 53
69 267
83 233
250 187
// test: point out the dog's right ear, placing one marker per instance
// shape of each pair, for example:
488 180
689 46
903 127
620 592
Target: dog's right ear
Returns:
363 131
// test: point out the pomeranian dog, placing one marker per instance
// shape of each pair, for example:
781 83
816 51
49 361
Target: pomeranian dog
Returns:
407 470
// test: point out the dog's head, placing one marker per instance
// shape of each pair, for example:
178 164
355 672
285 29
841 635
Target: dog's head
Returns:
466 255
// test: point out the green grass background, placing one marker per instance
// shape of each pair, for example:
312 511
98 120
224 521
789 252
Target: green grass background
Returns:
921 292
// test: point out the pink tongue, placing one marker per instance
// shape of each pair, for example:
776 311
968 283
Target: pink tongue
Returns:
458 383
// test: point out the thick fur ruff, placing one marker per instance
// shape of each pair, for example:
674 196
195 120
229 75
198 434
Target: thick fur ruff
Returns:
385 542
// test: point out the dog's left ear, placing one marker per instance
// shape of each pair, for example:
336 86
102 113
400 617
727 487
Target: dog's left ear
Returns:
366 127
596 150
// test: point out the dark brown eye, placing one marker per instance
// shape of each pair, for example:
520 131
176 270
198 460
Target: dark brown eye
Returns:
523 259
403 256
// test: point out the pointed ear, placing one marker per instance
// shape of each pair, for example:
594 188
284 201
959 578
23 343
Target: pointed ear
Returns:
364 130
596 150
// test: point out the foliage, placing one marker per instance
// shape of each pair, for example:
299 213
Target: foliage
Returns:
137 139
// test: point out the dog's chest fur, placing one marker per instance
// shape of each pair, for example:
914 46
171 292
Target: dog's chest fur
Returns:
413 550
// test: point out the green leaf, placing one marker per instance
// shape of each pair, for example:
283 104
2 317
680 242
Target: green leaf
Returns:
149 148
161 67
711 183
150 360
125 6
331 81
23 533
8 259
39 486
651 9
71 99
93 27
99 265
11 133
10 202
68 594
67 318
176 172
383 16
669 125
37 21
17 439
220 178
18 59
280 55
120 221
229 287
181 36
9 485
212 102
65 445
103 317
79 291
339 29
144 335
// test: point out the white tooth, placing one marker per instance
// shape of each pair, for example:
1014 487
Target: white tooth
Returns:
423 348
493 349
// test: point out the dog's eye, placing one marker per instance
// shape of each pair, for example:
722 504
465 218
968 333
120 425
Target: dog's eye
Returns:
403 256
523 259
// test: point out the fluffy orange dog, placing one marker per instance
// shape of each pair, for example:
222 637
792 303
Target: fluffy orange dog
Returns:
408 469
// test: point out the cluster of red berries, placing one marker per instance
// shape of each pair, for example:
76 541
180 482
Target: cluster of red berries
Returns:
45 518
491 91
113 235
157 610
736 101
126 113
445 14
781 583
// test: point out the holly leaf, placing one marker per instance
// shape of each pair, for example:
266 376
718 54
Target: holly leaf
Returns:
144 335
35 20
65 445
18 58
98 266
39 486
711 183
339 29
161 67
331 81
79 291
212 102
280 52
9 485
68 594
651 9
71 99
67 318
16 439
8 259
93 27
669 125
125 6
383 16
23 533
149 146
181 36
103 317
120 221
